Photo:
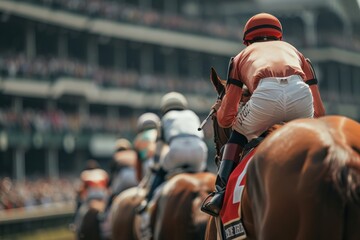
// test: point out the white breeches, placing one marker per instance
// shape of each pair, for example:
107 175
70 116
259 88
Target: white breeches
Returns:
187 152
275 100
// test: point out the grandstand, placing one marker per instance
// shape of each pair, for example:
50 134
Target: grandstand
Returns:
76 74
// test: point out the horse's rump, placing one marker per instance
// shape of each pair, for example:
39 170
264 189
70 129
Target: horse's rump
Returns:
302 178
123 213
178 214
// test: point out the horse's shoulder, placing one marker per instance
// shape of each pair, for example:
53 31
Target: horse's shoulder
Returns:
180 182
205 177
129 194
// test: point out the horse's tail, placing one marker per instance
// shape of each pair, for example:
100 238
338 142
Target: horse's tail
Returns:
345 169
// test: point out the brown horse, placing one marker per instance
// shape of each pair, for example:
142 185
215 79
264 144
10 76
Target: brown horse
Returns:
175 214
303 182
89 227
123 213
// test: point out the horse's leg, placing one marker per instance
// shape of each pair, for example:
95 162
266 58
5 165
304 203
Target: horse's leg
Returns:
90 228
353 222
247 215
211 232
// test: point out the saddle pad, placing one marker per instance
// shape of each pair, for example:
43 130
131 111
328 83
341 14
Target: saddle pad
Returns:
230 212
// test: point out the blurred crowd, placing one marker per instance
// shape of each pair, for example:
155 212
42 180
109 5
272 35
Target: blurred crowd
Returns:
58 121
51 68
116 11
38 192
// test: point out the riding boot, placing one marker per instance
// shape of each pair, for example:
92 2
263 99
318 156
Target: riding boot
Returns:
158 180
230 159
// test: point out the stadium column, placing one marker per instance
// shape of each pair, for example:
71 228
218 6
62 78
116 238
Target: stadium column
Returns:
19 168
171 61
310 28
92 51
19 161
147 60
120 55
30 41
194 64
63 45
333 81
52 163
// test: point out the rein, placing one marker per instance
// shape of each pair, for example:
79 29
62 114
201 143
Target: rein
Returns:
221 136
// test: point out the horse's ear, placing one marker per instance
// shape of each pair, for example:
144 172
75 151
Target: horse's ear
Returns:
218 83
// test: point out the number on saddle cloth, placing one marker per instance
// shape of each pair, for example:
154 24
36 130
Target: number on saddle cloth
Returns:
231 222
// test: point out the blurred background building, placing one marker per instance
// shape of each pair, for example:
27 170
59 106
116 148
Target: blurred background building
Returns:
76 74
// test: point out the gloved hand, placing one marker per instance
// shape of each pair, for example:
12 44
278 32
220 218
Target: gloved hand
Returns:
216 105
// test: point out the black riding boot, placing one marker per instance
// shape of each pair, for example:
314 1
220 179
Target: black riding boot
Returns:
158 180
230 159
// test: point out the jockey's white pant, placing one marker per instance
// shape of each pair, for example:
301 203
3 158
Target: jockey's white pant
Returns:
187 152
275 100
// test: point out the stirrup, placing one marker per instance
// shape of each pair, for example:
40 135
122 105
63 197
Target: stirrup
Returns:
204 207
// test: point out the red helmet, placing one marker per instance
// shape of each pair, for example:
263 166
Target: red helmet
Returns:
262 25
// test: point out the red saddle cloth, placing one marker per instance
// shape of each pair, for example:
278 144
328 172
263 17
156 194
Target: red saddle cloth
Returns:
230 212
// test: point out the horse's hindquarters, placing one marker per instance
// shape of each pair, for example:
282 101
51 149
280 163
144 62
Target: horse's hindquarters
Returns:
178 213
123 213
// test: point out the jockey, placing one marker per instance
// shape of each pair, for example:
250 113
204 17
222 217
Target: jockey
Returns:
122 167
93 184
94 181
122 177
283 85
187 149
145 142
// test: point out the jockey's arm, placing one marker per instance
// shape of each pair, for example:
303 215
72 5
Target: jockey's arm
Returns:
319 109
226 114
159 148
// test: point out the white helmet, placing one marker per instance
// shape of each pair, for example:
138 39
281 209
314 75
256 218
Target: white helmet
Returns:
122 144
147 121
172 101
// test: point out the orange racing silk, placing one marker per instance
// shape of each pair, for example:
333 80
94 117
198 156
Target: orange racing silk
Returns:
93 178
257 61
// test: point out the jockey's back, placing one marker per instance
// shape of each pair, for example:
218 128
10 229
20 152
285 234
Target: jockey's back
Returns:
93 179
177 123
267 59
